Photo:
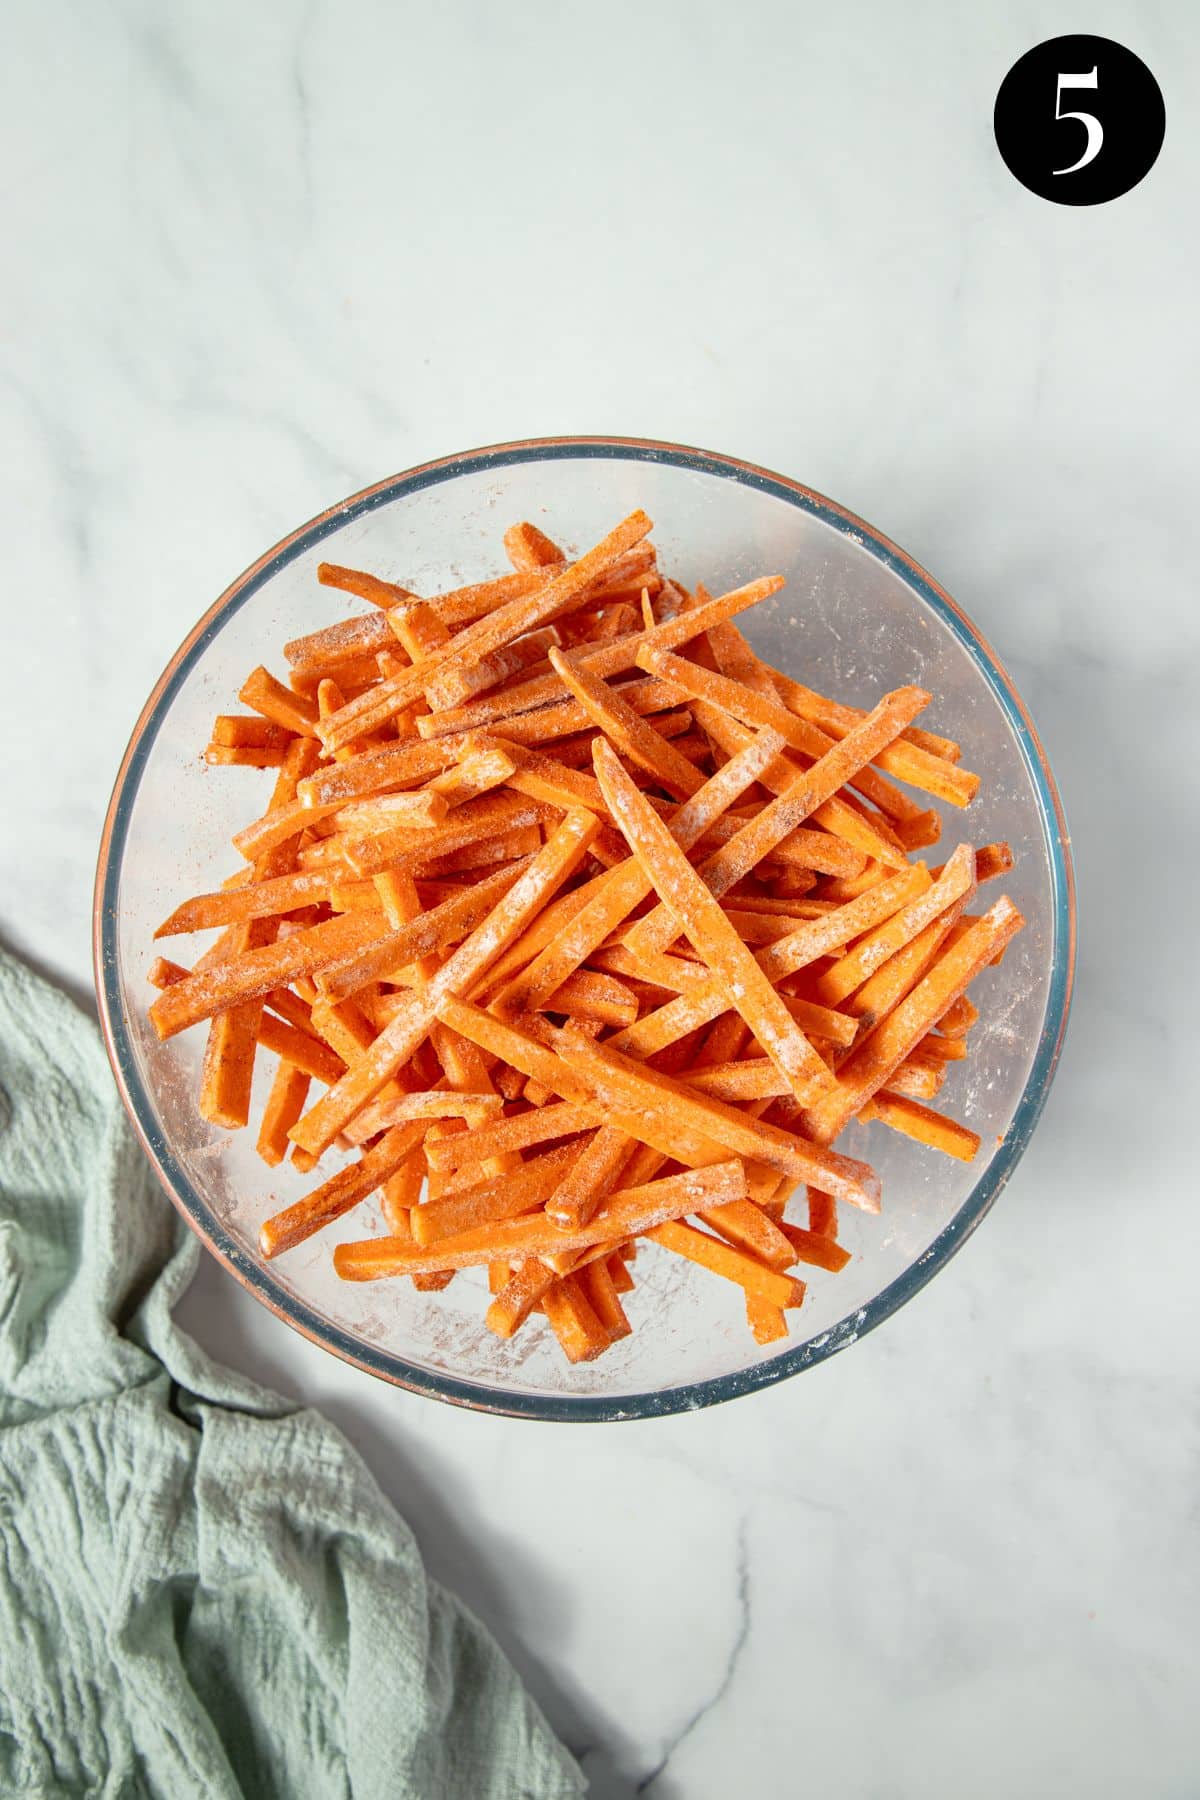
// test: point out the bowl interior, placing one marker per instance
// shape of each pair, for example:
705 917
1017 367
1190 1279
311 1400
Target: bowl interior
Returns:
854 620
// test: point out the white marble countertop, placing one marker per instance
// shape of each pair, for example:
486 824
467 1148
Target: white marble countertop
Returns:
258 257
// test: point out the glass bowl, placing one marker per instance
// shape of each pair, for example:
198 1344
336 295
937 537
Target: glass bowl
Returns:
856 618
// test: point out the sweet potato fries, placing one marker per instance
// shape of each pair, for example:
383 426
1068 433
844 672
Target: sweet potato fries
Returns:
571 924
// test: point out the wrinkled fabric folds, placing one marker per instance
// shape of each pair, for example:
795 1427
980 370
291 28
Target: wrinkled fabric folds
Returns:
203 1592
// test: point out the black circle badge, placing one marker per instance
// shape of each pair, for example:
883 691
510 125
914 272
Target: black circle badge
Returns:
1079 120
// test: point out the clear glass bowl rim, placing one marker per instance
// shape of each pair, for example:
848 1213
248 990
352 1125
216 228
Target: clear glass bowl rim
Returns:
260 1279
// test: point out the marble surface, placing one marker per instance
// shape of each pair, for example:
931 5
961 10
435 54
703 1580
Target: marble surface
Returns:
258 257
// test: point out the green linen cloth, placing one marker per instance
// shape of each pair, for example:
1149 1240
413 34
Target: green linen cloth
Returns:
203 1592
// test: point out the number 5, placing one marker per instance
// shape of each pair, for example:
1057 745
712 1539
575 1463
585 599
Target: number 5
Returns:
1095 130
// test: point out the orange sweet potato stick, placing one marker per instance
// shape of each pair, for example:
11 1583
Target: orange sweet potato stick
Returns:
916 1080
454 686
243 731
299 1048
797 801
401 1191
573 1321
477 771
375 771
918 757
815 1247
652 1096
885 1047
626 1213
596 1280
936 1047
285 1103
538 1126
722 1259
426 934
356 581
630 735
818 937
269 697
284 1230
223 756
604 661
578 1194
922 1124
529 548
258 971
748 1227
489 1202
615 897
550 868
822 1213
699 916
958 1019
767 1323
420 809
954 882
882 992
256 900
991 860
419 629
348 641
557 595
430 1103
585 994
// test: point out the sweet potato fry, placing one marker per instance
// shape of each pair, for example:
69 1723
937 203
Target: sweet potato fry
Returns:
401 1191
431 1103
284 1230
722 1259
357 581
538 1126
582 1186
955 880
958 1019
269 697
628 1212
596 1280
885 1046
815 1247
554 863
698 916
606 660
498 627
285 1103
920 1122
529 548
489 1202
250 976
624 729
573 1321
615 897
727 920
